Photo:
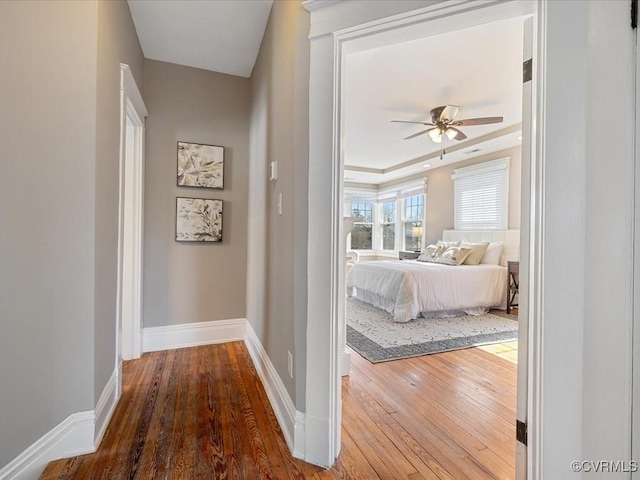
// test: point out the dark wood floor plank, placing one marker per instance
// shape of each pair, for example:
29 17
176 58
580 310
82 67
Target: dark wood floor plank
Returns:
257 441
282 464
154 458
202 413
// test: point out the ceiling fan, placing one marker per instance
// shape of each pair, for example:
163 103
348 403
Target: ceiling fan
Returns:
443 123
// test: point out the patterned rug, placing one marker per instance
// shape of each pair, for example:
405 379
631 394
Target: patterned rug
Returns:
373 334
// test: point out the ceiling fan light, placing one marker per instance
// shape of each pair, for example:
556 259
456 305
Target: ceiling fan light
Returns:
435 133
451 133
437 138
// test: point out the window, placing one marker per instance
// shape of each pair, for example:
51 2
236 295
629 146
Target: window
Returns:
386 220
481 196
412 222
362 233
388 225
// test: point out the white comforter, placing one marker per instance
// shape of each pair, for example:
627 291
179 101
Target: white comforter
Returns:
407 288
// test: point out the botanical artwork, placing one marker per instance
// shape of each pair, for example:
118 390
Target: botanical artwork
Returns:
200 165
198 220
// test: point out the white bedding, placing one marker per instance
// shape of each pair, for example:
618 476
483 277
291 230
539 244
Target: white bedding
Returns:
408 288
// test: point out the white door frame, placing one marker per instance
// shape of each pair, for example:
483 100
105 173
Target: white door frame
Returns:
635 379
130 221
332 35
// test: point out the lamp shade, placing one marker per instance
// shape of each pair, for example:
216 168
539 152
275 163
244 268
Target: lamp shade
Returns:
417 231
436 135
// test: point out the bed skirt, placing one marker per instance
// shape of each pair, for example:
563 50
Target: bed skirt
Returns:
406 312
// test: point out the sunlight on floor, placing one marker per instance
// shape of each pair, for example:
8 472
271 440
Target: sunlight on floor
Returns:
507 350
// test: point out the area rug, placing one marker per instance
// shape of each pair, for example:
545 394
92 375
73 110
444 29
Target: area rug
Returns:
373 334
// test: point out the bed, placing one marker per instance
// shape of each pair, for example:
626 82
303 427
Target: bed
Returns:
408 288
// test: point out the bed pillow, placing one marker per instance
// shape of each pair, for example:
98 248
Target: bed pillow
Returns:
448 244
453 256
493 254
430 253
477 252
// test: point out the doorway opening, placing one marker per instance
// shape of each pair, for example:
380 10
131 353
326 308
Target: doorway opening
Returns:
363 187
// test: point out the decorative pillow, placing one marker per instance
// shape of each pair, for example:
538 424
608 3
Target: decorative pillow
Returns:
493 254
430 253
448 244
453 256
477 252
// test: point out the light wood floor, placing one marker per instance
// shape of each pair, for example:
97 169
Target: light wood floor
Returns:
201 413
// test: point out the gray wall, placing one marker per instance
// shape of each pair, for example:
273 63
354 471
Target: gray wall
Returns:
47 188
60 124
277 255
117 43
194 282
439 207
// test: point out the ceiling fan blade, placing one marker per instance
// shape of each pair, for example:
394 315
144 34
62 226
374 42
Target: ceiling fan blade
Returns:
419 123
459 135
418 134
449 113
478 121
444 113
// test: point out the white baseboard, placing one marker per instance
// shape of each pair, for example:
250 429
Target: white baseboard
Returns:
291 421
105 407
192 334
317 439
73 436
345 363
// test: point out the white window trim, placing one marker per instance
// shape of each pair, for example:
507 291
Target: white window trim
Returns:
403 219
381 250
397 193
362 196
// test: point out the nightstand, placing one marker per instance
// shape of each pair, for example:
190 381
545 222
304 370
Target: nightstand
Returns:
408 255
513 287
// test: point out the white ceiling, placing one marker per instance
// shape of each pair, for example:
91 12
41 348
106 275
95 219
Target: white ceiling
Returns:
219 35
479 69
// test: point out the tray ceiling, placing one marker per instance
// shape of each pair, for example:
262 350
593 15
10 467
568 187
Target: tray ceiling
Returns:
479 69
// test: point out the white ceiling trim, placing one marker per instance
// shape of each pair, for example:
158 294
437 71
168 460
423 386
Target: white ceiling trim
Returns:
450 149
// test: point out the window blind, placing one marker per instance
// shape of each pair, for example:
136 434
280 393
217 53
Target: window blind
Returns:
481 196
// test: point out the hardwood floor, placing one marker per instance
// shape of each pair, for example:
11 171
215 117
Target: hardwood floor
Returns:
201 413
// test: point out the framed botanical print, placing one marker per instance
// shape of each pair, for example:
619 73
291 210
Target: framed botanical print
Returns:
200 165
198 220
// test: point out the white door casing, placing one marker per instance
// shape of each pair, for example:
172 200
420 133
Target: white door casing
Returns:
336 29
525 257
130 221
635 439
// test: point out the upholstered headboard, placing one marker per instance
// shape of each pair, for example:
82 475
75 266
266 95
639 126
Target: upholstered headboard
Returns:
511 239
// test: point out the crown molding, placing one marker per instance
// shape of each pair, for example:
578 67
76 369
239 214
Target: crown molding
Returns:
454 148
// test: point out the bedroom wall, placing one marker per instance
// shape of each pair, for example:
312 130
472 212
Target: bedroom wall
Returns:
47 192
439 207
194 282
117 43
277 255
